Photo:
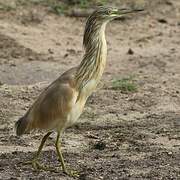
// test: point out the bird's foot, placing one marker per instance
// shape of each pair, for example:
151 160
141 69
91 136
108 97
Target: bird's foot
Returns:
37 166
71 173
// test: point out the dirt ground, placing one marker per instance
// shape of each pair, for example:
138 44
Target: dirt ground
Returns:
133 135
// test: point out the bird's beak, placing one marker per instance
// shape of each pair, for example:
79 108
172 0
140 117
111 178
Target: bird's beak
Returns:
123 11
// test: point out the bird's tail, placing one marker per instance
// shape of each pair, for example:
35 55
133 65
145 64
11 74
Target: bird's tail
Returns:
21 126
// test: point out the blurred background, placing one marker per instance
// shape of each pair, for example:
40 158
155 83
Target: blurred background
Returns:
130 128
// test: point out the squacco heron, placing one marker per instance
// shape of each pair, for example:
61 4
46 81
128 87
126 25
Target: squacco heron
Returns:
62 102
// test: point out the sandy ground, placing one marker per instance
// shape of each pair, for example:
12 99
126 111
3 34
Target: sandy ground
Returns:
120 135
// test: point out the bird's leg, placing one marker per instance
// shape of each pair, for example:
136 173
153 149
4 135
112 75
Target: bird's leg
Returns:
60 156
41 145
61 159
34 161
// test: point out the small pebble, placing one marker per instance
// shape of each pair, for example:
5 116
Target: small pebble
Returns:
100 145
163 21
130 51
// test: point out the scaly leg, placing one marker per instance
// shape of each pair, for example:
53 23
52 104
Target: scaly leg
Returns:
61 159
60 156
34 161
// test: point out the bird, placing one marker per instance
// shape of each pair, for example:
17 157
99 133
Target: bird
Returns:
62 102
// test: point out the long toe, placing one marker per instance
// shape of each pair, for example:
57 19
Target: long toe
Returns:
71 173
35 164
38 166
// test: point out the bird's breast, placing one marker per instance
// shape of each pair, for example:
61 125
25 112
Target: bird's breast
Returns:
78 106
76 110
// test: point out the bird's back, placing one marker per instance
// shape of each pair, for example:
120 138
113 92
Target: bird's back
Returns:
52 107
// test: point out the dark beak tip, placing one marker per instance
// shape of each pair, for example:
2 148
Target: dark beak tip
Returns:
139 9
127 10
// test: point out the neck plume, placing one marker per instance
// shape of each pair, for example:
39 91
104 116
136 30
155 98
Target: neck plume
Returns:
95 49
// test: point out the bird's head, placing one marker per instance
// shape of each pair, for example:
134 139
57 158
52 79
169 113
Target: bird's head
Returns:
100 17
109 13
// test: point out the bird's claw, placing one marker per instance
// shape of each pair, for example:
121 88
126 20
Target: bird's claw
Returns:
37 166
71 173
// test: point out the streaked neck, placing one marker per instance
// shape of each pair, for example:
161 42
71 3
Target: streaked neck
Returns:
93 62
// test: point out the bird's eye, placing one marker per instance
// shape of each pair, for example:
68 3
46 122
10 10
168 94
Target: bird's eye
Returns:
109 13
